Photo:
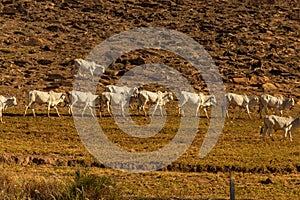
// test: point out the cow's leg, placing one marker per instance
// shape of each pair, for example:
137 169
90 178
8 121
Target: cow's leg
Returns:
248 112
100 109
57 111
108 107
155 108
290 135
180 108
32 108
240 110
205 110
49 106
26 107
266 110
270 132
226 112
92 74
1 115
143 108
197 110
72 104
161 110
69 110
92 111
263 131
84 108
139 103
287 131
122 109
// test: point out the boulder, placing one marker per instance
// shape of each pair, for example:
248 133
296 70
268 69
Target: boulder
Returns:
268 87
241 80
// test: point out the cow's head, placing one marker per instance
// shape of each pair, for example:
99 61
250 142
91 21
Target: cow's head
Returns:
99 69
134 91
11 101
77 63
170 96
290 102
63 99
213 100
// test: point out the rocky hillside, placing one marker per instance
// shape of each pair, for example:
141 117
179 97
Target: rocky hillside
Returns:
255 44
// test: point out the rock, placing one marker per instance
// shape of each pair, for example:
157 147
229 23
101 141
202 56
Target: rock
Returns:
38 161
9 10
137 61
241 80
44 61
267 181
268 87
33 42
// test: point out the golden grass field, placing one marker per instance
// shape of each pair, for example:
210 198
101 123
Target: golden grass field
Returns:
46 149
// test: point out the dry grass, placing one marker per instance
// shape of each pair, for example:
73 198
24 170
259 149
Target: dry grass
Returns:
239 149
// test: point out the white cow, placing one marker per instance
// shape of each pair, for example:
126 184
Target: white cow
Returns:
87 98
277 123
278 103
40 97
6 103
241 101
87 66
109 98
295 124
158 98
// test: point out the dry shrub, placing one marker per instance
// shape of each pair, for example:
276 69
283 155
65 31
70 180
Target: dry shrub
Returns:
83 187
37 188
91 186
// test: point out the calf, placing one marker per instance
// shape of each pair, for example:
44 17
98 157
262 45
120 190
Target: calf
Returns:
6 103
51 98
277 123
90 100
279 103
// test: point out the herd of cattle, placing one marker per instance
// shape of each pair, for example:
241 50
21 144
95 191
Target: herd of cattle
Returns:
123 95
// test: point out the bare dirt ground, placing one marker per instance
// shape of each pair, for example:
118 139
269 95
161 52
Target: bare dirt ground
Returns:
255 45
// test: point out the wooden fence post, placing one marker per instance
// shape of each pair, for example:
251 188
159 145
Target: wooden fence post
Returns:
231 187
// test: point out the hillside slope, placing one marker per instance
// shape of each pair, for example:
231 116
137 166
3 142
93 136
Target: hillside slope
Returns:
251 42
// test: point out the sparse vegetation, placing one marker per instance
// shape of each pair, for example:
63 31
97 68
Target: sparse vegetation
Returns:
84 186
255 45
